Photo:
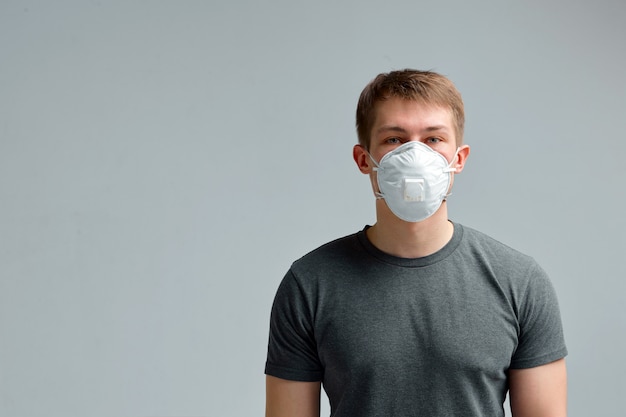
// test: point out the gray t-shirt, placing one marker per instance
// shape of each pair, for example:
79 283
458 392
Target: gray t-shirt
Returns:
431 336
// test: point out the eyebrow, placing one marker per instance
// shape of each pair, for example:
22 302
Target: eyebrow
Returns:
394 128
390 128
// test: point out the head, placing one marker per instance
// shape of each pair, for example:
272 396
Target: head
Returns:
426 87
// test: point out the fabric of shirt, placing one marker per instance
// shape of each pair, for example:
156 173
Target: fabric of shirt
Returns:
431 336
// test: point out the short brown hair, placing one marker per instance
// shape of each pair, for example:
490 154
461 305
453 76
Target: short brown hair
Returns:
423 86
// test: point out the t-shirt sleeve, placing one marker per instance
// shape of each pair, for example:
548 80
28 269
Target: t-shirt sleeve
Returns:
541 338
292 350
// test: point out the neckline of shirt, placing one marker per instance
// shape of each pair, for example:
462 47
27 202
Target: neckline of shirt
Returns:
438 256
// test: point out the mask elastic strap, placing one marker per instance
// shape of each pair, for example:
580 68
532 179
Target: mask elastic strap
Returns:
449 167
374 161
378 194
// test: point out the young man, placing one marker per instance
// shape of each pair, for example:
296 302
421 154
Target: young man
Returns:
415 315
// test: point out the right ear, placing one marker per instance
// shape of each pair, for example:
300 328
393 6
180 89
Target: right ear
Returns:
362 159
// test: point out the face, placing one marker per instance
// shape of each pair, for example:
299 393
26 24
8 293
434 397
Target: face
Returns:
399 121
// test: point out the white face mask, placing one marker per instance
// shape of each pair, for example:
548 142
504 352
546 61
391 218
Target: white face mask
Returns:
413 179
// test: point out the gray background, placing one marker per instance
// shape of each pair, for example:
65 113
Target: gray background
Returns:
163 163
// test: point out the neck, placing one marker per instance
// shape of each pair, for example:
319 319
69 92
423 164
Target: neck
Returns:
410 240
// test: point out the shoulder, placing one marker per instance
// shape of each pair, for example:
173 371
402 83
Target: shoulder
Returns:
312 274
482 240
485 247
340 250
515 272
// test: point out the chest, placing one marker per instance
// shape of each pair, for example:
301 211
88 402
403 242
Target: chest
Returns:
416 327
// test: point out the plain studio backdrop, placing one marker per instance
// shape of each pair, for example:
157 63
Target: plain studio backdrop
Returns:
162 163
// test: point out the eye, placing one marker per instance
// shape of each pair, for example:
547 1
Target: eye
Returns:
433 140
393 140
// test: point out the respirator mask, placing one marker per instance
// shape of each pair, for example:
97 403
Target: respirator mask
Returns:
414 180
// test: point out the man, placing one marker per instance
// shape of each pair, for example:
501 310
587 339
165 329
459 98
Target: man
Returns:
415 315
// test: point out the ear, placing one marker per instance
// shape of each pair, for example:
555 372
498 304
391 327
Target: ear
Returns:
362 159
460 158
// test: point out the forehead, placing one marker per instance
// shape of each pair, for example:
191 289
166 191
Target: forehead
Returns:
410 114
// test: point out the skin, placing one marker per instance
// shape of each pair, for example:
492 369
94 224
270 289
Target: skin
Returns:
285 398
540 391
533 392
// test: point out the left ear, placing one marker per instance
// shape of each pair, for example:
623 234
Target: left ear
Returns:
459 160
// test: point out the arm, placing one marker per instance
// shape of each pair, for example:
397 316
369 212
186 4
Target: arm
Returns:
284 398
540 391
